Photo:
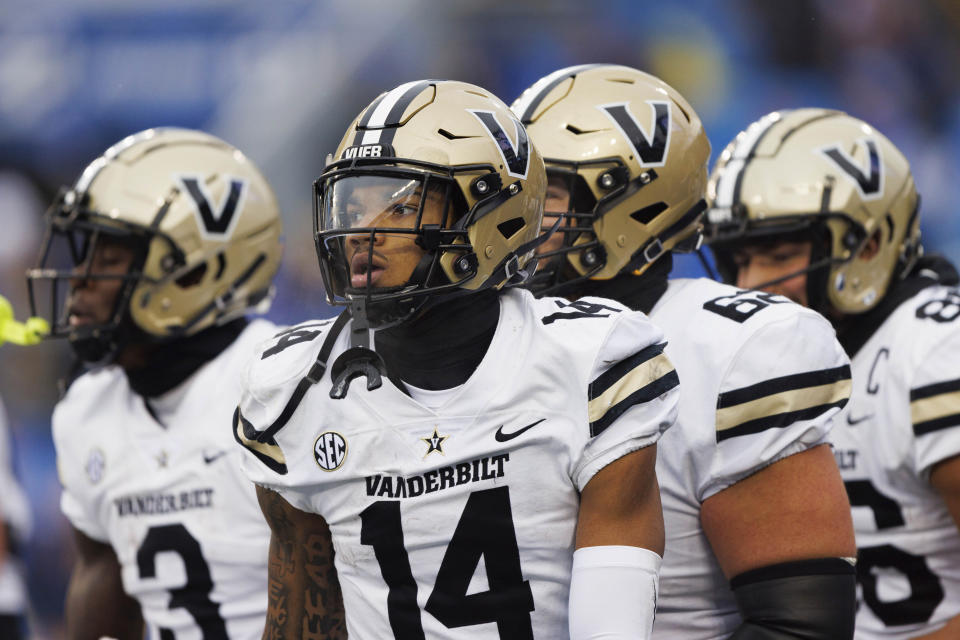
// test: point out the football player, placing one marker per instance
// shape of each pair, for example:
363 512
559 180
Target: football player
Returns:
751 494
154 257
484 460
819 206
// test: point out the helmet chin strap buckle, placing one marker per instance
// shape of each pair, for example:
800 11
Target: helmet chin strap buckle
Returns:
359 360
653 250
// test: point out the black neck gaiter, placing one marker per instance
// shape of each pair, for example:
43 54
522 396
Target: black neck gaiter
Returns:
640 293
442 346
170 363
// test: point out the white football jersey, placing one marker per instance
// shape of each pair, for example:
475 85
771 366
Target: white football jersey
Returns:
14 514
459 522
762 378
163 486
904 418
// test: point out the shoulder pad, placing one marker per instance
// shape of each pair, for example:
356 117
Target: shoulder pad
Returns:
287 354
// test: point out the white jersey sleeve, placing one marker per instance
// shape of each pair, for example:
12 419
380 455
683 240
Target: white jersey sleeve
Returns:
269 385
792 373
633 393
79 500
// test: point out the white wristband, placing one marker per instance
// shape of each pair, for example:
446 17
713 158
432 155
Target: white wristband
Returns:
613 593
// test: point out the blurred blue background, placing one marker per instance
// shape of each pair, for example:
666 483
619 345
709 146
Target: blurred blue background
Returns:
282 80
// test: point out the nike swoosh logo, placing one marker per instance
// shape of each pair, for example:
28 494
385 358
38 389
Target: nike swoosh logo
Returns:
853 421
503 437
212 458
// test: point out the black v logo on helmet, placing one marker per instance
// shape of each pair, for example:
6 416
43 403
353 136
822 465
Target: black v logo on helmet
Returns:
517 158
216 222
651 150
870 186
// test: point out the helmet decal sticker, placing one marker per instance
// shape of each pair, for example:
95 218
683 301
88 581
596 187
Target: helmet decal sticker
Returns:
869 185
215 223
517 158
651 151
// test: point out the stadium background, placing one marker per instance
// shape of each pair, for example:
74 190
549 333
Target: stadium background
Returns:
281 80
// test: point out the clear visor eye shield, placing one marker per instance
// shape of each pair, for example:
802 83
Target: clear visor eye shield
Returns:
392 234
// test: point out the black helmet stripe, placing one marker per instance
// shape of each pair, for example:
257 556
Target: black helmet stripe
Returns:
383 118
526 106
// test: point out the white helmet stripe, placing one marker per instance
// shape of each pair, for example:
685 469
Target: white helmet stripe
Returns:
729 180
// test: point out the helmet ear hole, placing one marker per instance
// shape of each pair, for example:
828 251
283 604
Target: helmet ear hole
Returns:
509 228
192 277
648 213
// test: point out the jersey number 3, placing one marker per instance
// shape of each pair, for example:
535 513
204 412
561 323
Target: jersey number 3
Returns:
485 530
193 596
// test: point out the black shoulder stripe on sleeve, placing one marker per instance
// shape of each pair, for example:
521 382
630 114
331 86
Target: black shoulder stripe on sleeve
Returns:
935 407
784 383
615 373
649 392
779 402
267 452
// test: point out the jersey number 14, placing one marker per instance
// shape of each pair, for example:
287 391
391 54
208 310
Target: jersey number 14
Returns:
485 530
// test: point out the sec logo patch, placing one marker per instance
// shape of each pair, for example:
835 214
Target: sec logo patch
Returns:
330 450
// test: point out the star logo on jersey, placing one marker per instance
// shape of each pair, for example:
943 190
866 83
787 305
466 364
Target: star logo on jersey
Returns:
434 443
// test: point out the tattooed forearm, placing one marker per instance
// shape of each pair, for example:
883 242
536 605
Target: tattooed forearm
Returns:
323 600
304 598
278 614
280 562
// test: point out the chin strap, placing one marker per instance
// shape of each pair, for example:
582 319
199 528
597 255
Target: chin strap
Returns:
513 275
359 359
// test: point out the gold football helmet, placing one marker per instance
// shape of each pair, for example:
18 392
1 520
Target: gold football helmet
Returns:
633 155
434 188
204 223
832 179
